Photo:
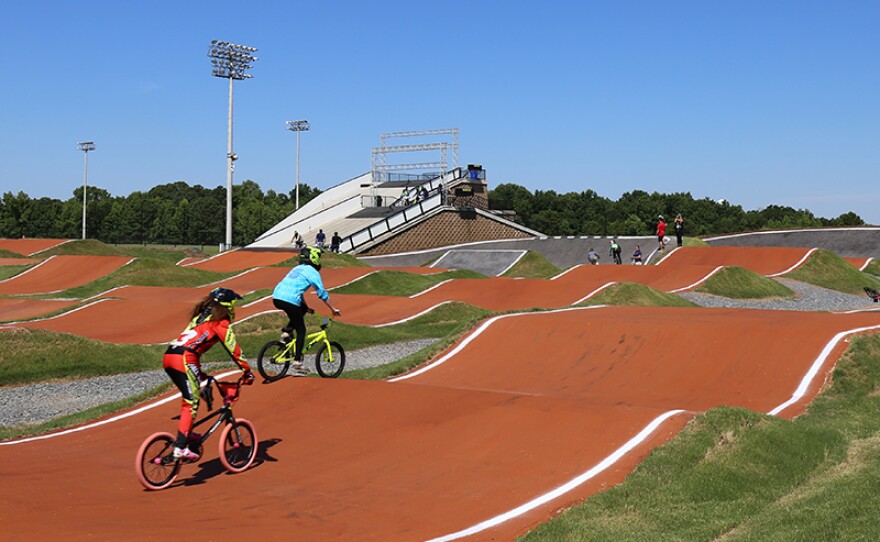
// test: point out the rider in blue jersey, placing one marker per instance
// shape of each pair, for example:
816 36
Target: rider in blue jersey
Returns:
289 297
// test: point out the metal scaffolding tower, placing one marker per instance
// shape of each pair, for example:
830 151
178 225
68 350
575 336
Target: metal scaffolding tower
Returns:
381 167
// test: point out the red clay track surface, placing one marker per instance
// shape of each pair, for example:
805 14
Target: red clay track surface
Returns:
12 309
493 425
28 247
161 313
58 273
761 260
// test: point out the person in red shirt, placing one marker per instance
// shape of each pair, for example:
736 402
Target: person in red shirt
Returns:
661 232
211 323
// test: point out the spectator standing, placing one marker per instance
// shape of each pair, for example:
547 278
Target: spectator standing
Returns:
320 238
335 241
614 252
592 257
679 228
297 240
637 256
661 232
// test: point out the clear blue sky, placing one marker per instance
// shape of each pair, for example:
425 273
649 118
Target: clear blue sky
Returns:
757 102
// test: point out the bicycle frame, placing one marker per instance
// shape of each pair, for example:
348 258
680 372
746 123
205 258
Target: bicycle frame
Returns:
223 414
311 340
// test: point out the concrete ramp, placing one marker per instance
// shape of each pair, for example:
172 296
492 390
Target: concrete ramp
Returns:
487 262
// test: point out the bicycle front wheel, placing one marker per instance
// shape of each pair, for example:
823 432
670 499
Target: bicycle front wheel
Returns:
274 360
238 445
154 464
329 362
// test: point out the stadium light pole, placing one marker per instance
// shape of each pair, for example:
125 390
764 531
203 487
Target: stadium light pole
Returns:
85 146
230 61
297 126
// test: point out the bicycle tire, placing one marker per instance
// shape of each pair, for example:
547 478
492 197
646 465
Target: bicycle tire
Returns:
327 368
154 464
238 445
271 366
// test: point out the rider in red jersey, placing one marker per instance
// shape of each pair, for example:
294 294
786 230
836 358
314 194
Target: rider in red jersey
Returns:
211 323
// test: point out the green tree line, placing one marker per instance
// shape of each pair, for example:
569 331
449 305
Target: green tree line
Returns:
636 212
180 214
173 213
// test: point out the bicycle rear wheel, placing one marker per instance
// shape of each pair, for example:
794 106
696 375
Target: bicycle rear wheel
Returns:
327 367
238 445
274 360
154 464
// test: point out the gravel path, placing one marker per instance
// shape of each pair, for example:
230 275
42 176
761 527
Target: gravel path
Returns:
807 298
42 402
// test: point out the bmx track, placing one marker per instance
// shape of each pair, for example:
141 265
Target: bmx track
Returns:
526 415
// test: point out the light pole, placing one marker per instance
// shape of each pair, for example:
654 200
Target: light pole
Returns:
230 61
297 126
85 146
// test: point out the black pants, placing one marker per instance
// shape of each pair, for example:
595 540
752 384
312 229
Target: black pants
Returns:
297 322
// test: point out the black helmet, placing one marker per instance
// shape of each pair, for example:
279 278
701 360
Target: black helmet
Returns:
225 297
311 256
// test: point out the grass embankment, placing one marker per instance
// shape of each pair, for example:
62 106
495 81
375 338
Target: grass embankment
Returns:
532 266
734 474
828 270
10 254
873 268
401 283
630 293
738 283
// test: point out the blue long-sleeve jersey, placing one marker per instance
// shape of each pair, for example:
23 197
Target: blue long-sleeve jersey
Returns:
296 282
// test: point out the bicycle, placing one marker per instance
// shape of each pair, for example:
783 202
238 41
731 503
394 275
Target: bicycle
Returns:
274 358
155 464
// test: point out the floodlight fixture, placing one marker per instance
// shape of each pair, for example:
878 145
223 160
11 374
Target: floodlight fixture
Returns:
85 146
230 61
297 126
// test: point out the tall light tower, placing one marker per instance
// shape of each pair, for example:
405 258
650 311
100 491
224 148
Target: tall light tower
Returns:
297 126
85 146
230 61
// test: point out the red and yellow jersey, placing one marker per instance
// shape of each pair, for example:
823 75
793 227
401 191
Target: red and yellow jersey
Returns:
200 335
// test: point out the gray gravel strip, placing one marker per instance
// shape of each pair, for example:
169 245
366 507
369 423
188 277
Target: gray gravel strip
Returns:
47 400
807 298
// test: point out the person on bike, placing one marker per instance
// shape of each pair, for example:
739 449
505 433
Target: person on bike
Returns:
614 251
211 324
289 296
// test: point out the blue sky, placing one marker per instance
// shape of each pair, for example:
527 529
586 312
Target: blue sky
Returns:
756 102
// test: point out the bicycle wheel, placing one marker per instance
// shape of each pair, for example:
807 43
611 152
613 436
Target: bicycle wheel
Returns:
327 368
274 360
238 445
154 464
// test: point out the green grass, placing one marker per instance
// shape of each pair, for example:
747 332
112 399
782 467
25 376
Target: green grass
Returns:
9 254
828 270
734 475
8 271
46 355
738 283
532 266
873 268
400 283
88 247
630 293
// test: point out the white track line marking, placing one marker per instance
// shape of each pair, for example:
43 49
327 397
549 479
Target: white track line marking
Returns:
795 266
565 488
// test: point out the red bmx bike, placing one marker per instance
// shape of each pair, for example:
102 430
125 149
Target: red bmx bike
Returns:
155 464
